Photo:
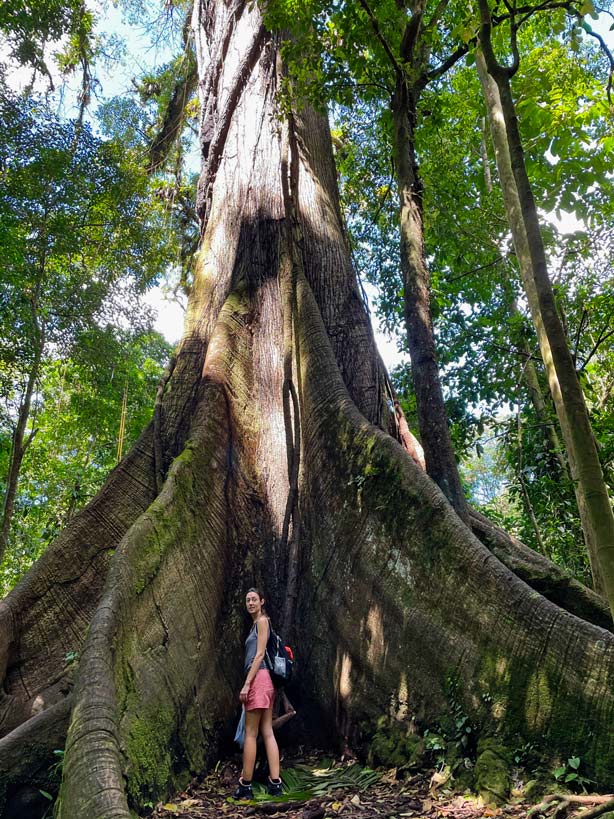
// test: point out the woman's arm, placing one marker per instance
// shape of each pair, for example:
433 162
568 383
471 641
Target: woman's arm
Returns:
263 636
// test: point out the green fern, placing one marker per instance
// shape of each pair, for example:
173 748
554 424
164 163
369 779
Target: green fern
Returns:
303 782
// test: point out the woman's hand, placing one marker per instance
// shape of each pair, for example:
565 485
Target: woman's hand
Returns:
244 693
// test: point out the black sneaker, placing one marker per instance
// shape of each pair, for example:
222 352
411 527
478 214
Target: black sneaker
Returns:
273 787
243 791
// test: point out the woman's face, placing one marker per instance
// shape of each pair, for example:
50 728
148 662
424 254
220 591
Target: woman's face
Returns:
253 603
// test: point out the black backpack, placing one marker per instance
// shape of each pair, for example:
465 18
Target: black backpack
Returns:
278 659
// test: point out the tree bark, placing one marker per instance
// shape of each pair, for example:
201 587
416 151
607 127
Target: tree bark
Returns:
553 443
432 417
395 595
543 413
528 506
553 582
591 492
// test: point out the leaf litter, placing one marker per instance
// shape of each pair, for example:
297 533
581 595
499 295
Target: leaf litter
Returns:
316 787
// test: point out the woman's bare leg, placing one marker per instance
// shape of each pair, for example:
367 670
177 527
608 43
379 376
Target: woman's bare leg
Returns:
270 743
252 723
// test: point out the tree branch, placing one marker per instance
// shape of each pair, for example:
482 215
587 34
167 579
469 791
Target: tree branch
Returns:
513 351
604 48
496 19
173 120
601 338
29 440
441 7
513 68
477 269
579 333
412 33
378 33
485 36
601 10
450 61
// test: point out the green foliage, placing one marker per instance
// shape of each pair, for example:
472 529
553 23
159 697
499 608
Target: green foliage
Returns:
82 237
76 221
482 329
302 782
76 444
459 729
29 26
569 774
318 781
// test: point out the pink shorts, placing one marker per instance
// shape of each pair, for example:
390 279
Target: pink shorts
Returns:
261 691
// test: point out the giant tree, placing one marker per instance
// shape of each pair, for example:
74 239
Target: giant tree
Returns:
269 460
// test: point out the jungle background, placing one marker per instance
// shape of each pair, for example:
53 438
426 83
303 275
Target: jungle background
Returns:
99 207
83 97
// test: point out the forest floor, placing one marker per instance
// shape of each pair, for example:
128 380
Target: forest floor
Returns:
346 792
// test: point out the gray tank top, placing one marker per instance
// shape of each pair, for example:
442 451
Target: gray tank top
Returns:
251 646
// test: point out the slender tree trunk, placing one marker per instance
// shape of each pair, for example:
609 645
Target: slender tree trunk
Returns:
551 435
529 371
394 594
531 378
525 493
432 418
591 492
19 446
484 156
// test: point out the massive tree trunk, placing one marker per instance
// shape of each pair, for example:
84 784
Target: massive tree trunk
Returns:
396 596
592 496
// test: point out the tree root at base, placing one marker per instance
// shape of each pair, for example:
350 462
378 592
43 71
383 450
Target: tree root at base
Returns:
556 805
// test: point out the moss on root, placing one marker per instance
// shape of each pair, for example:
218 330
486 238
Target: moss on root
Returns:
164 527
404 576
529 703
149 767
492 771
394 745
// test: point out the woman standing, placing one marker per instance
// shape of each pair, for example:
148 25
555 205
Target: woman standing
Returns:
257 696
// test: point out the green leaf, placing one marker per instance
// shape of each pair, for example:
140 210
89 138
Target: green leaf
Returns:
558 772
